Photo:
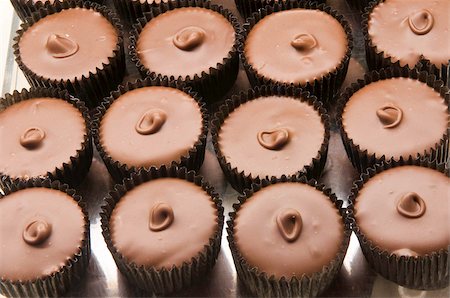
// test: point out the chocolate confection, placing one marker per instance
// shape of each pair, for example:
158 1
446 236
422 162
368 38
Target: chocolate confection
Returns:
292 223
408 31
284 135
38 136
163 223
185 42
396 118
41 229
151 126
296 46
404 211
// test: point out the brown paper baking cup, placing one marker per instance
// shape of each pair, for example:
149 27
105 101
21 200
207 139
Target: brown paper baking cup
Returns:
378 59
214 83
423 272
324 88
260 284
59 282
193 160
132 10
247 7
360 158
75 169
240 180
25 8
164 281
99 82
359 5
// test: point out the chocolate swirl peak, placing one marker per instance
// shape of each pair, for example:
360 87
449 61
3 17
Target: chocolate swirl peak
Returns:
36 232
274 139
32 138
161 217
411 205
304 42
390 115
189 38
61 46
151 121
421 22
289 224
405 252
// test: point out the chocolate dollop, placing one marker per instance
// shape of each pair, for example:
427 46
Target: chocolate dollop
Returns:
189 38
421 22
390 115
274 139
304 42
151 121
405 252
36 232
161 217
289 222
32 138
411 205
61 46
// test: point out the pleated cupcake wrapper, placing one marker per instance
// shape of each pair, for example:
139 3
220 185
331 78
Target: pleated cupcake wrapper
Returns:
25 8
193 160
164 281
324 88
260 284
75 169
131 10
361 158
378 59
424 272
247 7
240 180
214 83
359 5
98 84
59 282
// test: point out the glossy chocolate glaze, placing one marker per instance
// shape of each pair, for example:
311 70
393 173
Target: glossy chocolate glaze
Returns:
404 210
41 229
38 136
163 223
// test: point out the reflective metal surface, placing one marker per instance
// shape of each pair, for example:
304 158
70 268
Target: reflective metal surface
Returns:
103 279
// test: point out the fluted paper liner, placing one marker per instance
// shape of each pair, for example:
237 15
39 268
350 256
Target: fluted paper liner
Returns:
260 284
194 158
100 81
211 84
76 167
427 272
247 7
240 180
166 280
361 158
326 87
378 59
359 5
131 10
58 282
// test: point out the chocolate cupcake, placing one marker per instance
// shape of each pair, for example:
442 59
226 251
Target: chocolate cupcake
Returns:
44 230
247 7
402 222
151 123
405 115
412 34
189 41
297 43
269 132
288 238
163 228
55 49
45 133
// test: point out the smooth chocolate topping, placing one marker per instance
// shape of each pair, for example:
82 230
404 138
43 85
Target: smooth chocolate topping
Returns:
38 136
422 123
302 245
41 229
61 47
194 221
294 139
410 30
161 217
390 210
32 138
164 119
185 41
296 46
